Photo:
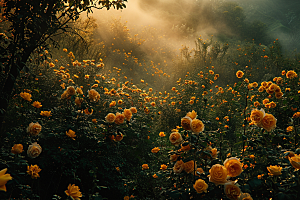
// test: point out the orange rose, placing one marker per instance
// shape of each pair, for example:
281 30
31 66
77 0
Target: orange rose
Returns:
214 153
197 126
295 161
34 150
274 170
178 167
17 149
269 122
189 166
128 114
73 191
233 166
200 186
119 137
239 74
145 166
110 117
133 109
218 174
232 191
175 138
155 150
186 123
119 118
257 116
192 114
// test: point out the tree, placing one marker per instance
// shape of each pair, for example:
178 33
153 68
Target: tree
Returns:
28 26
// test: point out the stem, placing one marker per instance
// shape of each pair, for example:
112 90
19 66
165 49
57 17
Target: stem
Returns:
296 138
245 120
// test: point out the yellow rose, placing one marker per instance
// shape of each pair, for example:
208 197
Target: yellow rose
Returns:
71 134
232 191
233 166
192 114
155 150
274 170
4 178
46 113
178 167
73 191
218 174
197 126
37 104
200 186
133 109
190 166
94 95
186 123
162 134
110 117
34 128
214 153
175 138
269 122
34 150
128 114
163 167
119 118
257 116
26 96
17 149
295 161
145 166
33 171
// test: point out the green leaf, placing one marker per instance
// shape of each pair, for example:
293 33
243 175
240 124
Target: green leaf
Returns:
174 194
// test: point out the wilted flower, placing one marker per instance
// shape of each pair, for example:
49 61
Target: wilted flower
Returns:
34 150
178 167
34 128
232 191
94 95
88 111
